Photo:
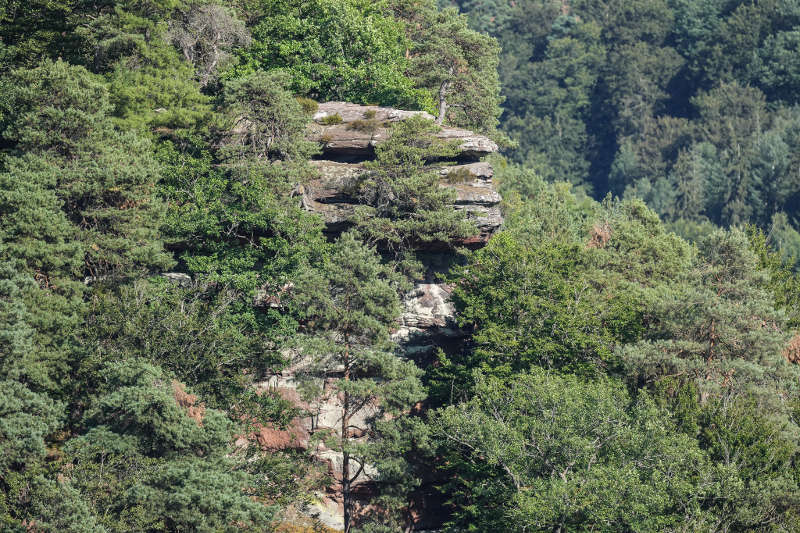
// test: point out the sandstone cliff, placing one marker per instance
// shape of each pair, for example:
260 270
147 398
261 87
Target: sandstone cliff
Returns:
427 320
428 316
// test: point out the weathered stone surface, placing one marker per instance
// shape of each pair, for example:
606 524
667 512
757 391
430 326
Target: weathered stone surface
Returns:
178 278
427 306
472 145
363 127
332 195
428 318
323 414
480 170
350 112
293 437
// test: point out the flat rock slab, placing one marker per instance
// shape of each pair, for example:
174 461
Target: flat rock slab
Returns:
363 127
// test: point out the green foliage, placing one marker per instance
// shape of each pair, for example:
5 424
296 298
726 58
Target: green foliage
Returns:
331 120
199 495
527 307
309 106
237 225
264 120
351 301
78 194
718 327
403 203
539 451
333 50
27 419
561 288
782 282
32 30
151 85
457 66
535 209
613 376
166 454
220 352
552 131
137 410
57 506
620 97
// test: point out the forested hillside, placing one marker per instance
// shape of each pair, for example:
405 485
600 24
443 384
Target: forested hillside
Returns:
230 301
690 105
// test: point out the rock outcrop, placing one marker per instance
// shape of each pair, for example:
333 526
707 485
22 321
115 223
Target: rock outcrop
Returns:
351 130
346 143
348 139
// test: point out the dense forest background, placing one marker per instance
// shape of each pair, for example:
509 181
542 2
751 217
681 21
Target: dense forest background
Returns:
631 350
688 105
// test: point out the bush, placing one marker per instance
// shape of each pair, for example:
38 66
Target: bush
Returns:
308 105
368 126
331 120
459 175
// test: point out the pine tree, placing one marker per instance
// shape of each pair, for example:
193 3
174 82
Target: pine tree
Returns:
457 65
405 206
78 196
717 327
350 304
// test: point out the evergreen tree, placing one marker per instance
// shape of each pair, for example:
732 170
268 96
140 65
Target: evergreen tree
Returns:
168 456
405 205
717 328
264 121
352 303
78 194
458 66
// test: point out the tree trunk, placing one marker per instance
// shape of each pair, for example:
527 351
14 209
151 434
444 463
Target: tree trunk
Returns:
347 503
347 498
443 89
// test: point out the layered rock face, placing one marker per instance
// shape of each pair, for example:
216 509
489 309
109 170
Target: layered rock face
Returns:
352 131
350 138
427 322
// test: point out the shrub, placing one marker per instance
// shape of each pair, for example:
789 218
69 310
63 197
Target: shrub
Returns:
330 120
309 106
368 126
458 175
